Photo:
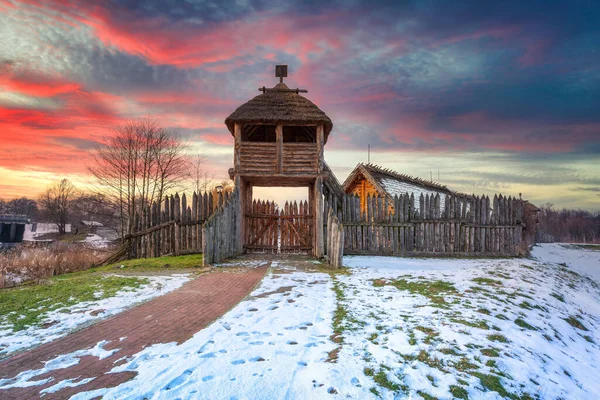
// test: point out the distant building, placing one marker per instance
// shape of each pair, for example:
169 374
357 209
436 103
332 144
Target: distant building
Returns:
370 179
12 228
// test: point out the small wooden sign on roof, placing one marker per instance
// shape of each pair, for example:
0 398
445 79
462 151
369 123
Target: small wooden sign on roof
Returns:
281 72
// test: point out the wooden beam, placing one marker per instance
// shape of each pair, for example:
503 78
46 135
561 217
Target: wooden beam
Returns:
318 210
237 147
279 141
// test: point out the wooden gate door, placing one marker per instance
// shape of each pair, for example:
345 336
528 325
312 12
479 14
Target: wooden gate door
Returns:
296 228
262 228
269 230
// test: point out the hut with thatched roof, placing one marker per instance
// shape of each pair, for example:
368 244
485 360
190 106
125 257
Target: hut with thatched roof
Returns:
280 137
371 179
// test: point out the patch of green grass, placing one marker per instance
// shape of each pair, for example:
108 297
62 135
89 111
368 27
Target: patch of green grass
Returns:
576 323
433 290
426 395
495 337
490 363
427 331
483 311
171 262
382 380
487 281
523 324
502 316
493 383
464 364
594 247
372 337
589 339
476 323
558 297
459 392
62 291
490 352
449 351
368 371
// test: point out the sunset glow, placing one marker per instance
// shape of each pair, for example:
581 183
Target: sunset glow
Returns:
502 98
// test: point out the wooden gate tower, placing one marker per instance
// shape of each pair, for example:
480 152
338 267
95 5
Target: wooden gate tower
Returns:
279 136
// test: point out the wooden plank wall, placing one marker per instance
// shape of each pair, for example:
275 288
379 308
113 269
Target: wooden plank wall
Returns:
172 226
406 225
219 232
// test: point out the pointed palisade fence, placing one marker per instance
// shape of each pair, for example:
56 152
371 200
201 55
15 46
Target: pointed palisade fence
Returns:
175 226
430 225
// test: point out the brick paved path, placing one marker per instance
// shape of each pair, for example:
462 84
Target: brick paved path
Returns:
176 316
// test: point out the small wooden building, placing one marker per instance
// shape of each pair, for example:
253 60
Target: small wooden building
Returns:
280 138
12 228
370 179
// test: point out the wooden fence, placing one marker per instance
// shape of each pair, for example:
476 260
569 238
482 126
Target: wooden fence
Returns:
172 226
221 232
461 225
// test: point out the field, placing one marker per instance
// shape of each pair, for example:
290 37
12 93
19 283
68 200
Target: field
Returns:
390 328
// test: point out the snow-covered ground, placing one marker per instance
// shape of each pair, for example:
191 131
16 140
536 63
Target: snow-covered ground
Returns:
390 328
33 231
60 322
581 259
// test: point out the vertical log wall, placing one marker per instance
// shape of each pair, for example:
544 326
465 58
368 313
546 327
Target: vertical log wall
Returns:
405 225
179 225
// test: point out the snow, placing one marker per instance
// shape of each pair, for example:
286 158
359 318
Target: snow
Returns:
26 378
32 231
64 320
579 259
396 187
96 241
278 343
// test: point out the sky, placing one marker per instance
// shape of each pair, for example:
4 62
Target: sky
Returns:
484 97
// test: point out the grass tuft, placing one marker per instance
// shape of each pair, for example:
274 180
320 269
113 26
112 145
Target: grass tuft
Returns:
576 323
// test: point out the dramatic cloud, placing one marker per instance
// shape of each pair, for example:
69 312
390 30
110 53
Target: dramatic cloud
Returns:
499 96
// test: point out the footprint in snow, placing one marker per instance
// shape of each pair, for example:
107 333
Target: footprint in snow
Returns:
302 363
242 334
256 343
226 326
179 380
311 344
238 362
208 355
355 382
257 359
291 342
253 309
207 378
205 346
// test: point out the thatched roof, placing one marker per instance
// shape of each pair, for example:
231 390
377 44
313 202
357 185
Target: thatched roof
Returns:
279 107
390 183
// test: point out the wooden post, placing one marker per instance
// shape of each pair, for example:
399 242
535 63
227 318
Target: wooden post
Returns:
279 140
318 217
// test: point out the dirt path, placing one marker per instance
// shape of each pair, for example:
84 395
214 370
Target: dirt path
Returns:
174 317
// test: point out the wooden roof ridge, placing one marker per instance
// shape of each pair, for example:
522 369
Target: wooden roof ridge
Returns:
404 177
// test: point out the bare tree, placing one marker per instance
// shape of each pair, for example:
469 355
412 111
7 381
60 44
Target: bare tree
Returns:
56 203
138 165
199 177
